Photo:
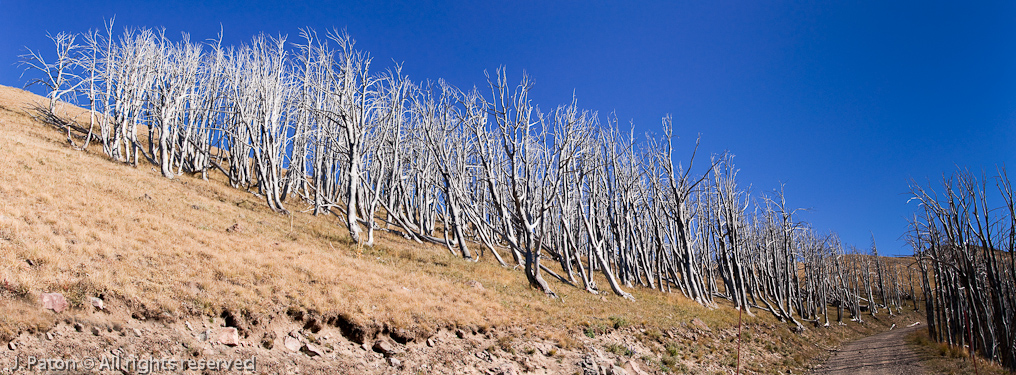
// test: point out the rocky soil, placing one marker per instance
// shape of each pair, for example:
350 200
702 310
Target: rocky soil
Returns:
301 342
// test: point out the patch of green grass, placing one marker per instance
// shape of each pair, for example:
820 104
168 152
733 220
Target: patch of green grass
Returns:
654 335
673 350
593 329
619 322
618 349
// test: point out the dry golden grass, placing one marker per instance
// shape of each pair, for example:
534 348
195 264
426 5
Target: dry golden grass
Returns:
946 359
77 223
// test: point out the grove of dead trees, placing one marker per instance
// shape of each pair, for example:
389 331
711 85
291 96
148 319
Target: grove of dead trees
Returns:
963 236
568 196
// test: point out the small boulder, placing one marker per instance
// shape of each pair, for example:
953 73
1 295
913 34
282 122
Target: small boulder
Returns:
79 327
97 303
395 362
11 346
387 348
95 330
227 336
137 332
430 342
311 350
235 228
484 356
460 333
402 336
616 370
633 368
53 301
698 323
292 344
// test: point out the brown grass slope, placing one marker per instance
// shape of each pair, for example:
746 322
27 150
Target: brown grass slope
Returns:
157 250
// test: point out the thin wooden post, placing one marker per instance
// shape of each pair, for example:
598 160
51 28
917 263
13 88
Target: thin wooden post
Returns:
740 311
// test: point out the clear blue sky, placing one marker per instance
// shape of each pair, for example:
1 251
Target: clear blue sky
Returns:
842 101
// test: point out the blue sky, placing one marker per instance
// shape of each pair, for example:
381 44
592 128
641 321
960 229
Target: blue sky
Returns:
843 102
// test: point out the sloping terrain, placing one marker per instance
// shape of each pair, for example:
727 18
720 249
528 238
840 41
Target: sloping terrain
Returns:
179 264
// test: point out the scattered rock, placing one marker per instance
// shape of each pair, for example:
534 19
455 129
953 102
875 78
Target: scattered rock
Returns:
484 355
430 342
53 301
589 366
475 284
633 368
527 364
395 362
292 344
95 331
227 336
311 350
504 369
616 370
235 228
11 346
79 327
187 324
386 348
137 332
402 336
165 316
97 303
460 333
49 336
698 323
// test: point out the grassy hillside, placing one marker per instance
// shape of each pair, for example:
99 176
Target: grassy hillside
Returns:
162 253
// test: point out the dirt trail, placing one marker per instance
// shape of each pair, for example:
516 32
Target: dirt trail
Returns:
884 353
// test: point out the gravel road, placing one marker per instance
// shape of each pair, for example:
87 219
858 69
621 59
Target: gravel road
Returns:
884 353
